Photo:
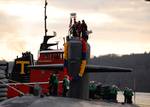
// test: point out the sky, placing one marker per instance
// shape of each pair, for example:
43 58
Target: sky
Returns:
119 26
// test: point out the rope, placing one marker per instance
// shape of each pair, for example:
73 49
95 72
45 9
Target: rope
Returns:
12 88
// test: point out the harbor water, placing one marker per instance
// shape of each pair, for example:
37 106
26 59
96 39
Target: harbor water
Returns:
139 98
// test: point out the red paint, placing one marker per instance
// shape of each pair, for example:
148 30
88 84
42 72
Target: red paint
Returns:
41 75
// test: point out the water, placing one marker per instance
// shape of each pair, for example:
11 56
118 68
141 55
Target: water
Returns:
141 99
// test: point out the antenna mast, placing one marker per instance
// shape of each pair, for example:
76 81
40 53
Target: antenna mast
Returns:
45 18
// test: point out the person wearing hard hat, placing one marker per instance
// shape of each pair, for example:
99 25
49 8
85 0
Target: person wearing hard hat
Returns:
65 86
130 94
37 90
92 90
125 94
113 93
53 85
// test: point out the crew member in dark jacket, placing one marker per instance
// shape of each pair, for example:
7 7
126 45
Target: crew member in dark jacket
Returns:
128 93
84 30
79 29
53 85
65 86
74 29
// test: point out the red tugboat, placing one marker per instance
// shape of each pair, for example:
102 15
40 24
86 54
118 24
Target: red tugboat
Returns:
22 79
27 72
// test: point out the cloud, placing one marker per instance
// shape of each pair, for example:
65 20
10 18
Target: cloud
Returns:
17 44
115 23
8 24
10 32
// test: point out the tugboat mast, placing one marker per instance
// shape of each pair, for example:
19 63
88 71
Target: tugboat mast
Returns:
45 45
45 19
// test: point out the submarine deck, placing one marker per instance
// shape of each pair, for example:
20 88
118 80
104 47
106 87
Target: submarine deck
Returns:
33 101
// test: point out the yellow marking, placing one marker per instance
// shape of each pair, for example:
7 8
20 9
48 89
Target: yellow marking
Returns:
66 51
22 65
82 68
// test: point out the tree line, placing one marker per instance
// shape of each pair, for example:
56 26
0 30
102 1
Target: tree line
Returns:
139 79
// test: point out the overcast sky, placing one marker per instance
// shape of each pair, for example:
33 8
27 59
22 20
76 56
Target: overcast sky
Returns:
119 26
